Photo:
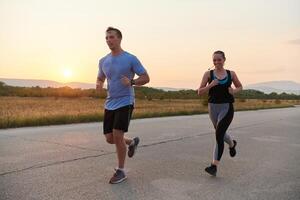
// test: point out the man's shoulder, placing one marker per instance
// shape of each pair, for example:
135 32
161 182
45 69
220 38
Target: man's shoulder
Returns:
103 58
129 55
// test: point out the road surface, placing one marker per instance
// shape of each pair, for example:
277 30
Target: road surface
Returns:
74 162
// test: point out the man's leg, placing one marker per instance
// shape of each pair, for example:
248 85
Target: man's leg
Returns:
128 141
122 121
120 126
110 139
114 135
118 137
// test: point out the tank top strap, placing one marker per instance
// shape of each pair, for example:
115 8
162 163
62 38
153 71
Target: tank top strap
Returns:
229 75
211 77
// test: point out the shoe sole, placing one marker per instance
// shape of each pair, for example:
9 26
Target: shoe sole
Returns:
119 181
212 174
235 143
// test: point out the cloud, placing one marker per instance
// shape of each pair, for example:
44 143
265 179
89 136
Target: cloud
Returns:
295 42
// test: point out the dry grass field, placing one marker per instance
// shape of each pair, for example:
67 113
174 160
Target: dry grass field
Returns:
31 111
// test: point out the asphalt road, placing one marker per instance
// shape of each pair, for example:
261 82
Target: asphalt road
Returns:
74 162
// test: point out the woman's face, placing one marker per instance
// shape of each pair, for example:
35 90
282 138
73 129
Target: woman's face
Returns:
218 60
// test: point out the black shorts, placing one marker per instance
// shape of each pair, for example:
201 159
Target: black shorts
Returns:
117 119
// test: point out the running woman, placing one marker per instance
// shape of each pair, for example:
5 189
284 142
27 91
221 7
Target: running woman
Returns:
217 83
119 68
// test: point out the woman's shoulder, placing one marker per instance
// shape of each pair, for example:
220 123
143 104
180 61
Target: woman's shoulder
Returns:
232 73
207 73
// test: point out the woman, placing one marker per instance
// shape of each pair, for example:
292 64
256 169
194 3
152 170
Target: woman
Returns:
217 83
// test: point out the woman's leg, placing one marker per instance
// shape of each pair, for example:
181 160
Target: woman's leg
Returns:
221 129
228 140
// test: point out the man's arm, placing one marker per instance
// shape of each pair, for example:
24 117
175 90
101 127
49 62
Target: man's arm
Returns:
138 68
100 78
141 80
99 84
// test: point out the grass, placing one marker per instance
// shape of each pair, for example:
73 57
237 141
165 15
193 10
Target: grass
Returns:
38 111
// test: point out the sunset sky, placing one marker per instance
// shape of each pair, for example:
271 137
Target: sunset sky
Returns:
63 40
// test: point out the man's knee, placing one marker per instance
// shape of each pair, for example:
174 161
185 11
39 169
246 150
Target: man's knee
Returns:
118 136
109 138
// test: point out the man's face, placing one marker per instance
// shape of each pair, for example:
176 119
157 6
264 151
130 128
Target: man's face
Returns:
112 40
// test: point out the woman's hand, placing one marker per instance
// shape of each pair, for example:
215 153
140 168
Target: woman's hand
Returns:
231 90
214 83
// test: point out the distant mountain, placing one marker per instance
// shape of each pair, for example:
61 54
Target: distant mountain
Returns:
45 83
55 84
289 87
166 89
81 85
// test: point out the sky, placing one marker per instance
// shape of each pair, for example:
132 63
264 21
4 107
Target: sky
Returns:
64 40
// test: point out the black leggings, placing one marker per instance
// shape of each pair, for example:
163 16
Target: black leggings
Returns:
221 116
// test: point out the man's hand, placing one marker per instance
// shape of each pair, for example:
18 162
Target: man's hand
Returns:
126 81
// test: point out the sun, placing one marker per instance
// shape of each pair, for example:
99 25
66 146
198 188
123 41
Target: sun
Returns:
67 73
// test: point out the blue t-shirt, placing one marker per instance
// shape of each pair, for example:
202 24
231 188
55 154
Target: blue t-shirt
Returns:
113 68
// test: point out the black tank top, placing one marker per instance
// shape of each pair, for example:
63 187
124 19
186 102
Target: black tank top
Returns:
219 93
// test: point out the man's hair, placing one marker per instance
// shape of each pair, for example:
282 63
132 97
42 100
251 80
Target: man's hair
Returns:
119 34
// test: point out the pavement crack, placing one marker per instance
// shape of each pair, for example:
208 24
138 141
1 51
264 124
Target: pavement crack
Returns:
54 163
56 143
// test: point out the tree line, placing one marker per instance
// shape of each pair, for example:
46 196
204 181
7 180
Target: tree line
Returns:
141 93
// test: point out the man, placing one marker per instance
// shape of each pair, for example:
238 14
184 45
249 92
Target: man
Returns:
119 68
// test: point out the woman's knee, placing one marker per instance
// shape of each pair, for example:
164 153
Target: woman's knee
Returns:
219 135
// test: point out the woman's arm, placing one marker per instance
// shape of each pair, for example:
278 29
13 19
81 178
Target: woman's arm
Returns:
204 87
237 84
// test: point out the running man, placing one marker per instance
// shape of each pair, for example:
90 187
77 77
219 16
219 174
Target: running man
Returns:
217 83
119 68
